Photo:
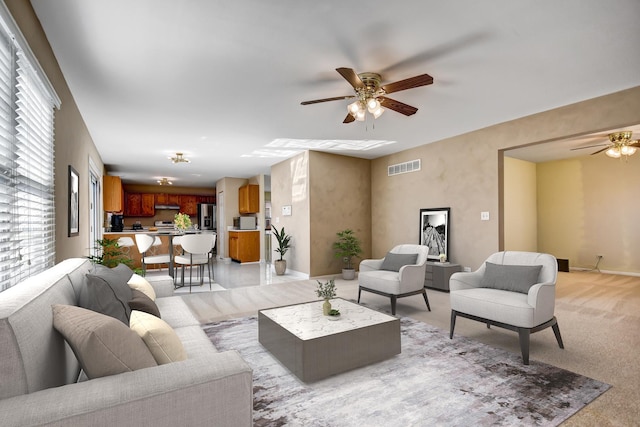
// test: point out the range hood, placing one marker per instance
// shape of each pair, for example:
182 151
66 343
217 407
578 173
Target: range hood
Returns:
168 207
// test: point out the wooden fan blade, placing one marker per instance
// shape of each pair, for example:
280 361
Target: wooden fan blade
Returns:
398 106
635 144
351 76
349 118
600 151
588 146
336 98
410 83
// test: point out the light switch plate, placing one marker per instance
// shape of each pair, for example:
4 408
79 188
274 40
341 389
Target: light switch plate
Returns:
286 210
484 216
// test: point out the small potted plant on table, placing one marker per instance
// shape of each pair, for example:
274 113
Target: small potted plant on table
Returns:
284 242
346 247
327 291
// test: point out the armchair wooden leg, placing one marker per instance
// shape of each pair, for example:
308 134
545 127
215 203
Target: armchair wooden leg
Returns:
453 323
393 304
556 331
524 335
424 294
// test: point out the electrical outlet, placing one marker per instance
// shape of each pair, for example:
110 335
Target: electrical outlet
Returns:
484 216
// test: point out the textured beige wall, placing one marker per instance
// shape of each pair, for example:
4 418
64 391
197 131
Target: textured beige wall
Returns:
520 206
290 187
73 144
463 173
587 207
327 193
340 198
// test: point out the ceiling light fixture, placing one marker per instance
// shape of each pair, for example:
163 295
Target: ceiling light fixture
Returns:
621 145
179 158
367 98
165 181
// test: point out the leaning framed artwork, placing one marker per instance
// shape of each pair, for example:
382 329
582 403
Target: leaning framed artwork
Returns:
74 202
434 231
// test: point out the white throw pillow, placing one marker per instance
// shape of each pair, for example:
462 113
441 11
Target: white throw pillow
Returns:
141 284
160 338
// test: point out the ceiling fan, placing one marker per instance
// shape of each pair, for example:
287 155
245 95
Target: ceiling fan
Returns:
370 94
620 144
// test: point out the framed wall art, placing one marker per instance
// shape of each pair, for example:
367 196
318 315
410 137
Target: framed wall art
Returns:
434 231
74 203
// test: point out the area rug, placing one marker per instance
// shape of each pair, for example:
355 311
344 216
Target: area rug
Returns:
434 381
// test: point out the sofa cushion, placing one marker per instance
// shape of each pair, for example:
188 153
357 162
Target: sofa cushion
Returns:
140 283
161 340
514 278
141 302
107 292
103 345
393 262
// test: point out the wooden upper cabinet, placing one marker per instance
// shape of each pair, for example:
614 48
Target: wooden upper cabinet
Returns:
148 205
113 196
189 205
167 199
249 199
137 204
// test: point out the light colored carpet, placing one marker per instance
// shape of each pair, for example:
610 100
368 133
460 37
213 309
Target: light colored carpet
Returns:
598 315
434 381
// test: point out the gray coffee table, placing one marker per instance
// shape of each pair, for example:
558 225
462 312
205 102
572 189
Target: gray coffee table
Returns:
313 347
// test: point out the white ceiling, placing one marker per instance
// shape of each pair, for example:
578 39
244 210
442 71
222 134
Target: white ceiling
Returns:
221 80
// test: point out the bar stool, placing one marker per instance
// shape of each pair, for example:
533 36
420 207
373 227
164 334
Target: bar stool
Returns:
125 243
197 248
144 243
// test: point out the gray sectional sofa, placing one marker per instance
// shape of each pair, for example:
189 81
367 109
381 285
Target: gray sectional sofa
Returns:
39 371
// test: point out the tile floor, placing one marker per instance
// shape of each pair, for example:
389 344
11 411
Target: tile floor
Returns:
231 276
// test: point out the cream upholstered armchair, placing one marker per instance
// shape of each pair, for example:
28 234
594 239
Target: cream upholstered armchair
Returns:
512 290
399 274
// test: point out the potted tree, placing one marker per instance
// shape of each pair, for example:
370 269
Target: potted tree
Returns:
346 247
283 246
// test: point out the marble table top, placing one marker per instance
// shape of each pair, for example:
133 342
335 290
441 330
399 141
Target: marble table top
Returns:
306 321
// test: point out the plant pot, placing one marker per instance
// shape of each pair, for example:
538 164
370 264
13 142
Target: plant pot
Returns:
348 273
281 266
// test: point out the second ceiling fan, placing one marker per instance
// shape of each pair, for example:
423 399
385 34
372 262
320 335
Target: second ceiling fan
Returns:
370 94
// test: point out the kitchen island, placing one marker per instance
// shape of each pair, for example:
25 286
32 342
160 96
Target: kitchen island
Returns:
166 237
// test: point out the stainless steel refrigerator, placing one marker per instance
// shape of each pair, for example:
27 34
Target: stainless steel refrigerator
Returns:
207 216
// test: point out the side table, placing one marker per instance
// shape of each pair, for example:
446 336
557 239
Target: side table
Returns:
437 275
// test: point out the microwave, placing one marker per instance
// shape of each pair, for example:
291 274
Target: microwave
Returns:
245 223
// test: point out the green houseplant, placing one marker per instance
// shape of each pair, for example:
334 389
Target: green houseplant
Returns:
326 291
109 253
347 247
284 242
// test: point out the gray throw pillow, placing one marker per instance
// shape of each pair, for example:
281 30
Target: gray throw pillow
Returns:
107 292
102 345
141 302
393 262
514 278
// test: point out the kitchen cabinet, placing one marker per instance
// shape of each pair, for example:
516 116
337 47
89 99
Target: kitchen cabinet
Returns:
189 205
167 199
137 204
244 246
249 199
113 196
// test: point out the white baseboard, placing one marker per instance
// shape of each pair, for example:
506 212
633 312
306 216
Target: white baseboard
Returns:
621 273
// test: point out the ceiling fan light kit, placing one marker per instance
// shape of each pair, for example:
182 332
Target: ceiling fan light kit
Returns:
622 145
370 94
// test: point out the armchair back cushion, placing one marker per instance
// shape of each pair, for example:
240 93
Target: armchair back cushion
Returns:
514 278
393 262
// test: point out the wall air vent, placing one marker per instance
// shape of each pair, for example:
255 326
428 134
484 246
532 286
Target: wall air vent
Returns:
406 167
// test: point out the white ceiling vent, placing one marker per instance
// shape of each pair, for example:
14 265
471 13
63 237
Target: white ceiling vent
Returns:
406 167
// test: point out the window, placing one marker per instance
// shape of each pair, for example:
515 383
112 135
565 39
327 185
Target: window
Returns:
27 214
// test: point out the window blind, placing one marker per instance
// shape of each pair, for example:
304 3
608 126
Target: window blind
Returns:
27 214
